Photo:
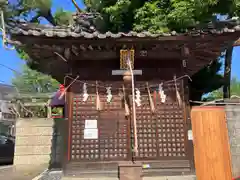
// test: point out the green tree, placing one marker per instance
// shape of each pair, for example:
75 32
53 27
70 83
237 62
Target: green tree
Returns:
160 15
234 90
33 11
31 81
140 15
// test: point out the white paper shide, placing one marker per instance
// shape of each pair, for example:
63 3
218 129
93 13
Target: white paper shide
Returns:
138 97
85 93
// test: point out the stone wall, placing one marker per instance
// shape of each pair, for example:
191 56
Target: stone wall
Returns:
37 142
233 122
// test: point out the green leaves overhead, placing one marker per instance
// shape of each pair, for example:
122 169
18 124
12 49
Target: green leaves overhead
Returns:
139 15
63 17
150 17
156 16
35 10
218 94
42 5
160 15
117 13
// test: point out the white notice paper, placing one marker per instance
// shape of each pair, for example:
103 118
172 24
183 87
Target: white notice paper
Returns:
190 135
90 133
91 124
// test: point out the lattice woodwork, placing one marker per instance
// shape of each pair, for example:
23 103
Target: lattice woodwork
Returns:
112 142
162 135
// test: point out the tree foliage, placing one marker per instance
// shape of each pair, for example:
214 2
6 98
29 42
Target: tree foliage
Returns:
160 15
31 81
34 11
155 16
218 94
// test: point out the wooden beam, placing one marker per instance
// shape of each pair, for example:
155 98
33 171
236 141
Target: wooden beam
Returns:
208 54
105 55
106 74
96 55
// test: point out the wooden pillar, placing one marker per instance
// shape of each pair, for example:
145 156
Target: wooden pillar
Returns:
227 72
211 144
186 54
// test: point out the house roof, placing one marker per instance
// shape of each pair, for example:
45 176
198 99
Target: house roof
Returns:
30 29
6 107
7 91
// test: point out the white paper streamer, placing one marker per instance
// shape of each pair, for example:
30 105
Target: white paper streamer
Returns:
85 93
109 94
138 97
162 93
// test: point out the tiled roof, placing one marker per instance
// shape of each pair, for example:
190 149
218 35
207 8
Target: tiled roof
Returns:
61 32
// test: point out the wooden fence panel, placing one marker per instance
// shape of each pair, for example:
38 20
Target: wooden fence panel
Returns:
211 145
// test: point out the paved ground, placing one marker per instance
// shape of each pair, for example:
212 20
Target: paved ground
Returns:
57 175
21 172
51 175
33 172
145 178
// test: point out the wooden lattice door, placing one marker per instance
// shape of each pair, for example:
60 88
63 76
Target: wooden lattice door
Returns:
113 129
162 135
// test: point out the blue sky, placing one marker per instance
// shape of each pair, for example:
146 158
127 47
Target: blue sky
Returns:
10 58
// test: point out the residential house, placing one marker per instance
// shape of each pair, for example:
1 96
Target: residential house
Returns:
7 114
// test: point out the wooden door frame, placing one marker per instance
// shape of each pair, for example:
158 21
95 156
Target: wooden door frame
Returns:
67 136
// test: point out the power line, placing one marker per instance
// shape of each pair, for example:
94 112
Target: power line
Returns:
11 69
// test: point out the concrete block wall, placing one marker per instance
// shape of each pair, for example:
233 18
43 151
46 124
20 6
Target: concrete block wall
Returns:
233 122
33 143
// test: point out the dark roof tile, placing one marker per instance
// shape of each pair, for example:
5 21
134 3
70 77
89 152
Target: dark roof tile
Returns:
76 32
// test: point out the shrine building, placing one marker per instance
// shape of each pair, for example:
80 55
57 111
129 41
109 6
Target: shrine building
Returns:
104 128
